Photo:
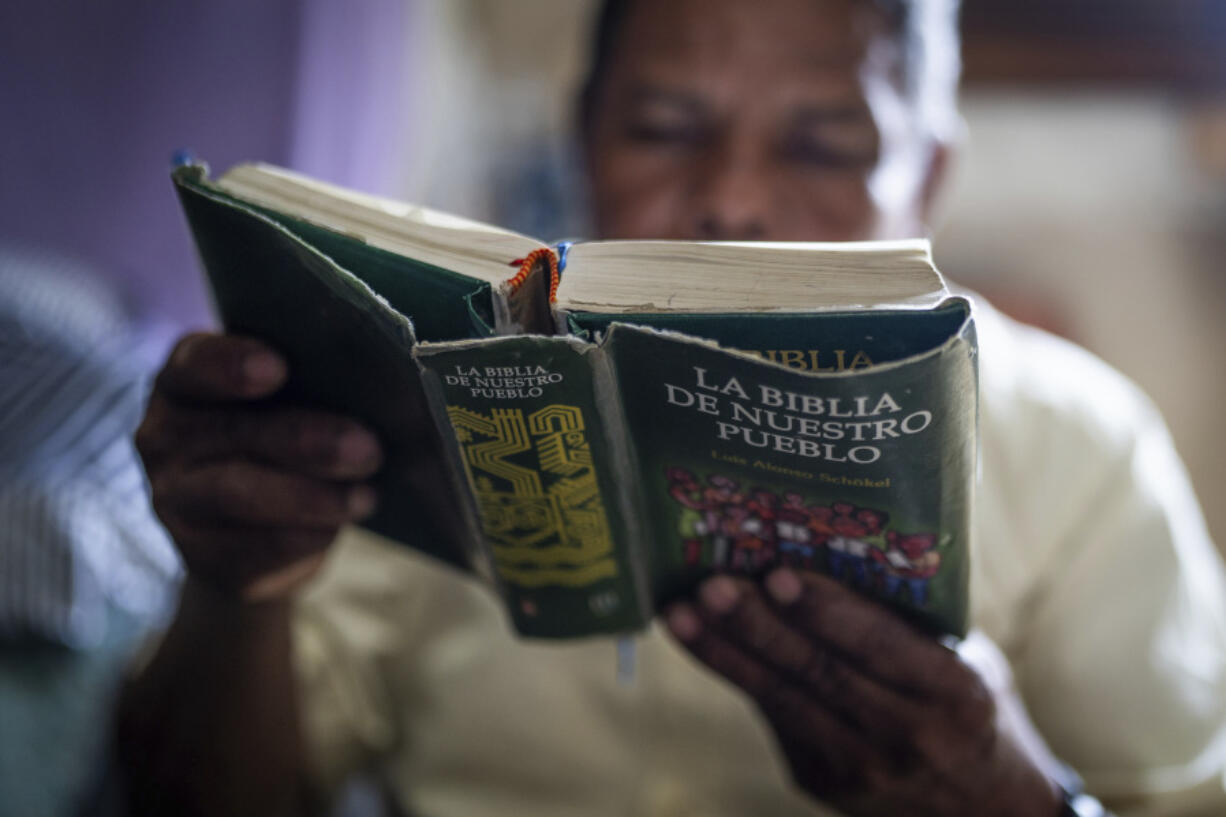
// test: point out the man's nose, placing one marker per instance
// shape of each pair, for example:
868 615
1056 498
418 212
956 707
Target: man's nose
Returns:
731 199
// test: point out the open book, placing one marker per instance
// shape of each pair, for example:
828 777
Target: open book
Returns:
595 427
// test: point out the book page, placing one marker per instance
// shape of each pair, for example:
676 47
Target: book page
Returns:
689 276
454 243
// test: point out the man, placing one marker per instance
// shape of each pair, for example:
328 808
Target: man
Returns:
713 119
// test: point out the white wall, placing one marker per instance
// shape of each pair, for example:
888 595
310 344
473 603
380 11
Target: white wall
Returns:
1098 205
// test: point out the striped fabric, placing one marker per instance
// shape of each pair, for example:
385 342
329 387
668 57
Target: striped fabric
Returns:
76 529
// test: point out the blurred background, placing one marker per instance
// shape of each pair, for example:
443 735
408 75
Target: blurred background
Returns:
1089 197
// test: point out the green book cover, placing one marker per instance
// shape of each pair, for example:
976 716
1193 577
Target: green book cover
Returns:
721 459
348 349
865 473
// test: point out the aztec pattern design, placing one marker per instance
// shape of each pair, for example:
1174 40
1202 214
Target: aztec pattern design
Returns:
537 494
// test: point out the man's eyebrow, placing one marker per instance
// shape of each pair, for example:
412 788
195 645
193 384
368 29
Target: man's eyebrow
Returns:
674 97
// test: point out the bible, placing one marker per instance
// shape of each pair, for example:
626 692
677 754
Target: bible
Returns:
594 427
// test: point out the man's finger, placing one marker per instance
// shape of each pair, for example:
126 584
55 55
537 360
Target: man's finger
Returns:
836 751
211 367
872 636
315 443
247 493
737 611
229 544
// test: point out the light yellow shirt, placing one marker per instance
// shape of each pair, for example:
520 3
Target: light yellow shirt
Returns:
1091 569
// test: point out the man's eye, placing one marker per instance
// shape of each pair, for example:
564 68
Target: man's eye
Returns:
823 154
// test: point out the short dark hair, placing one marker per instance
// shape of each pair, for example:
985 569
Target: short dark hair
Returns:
927 30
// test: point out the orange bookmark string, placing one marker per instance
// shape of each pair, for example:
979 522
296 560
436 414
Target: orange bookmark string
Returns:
526 265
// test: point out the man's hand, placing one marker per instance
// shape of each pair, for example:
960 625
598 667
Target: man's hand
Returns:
874 717
252 492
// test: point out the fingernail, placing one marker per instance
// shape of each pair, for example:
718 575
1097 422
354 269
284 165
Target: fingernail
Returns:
784 586
720 594
262 369
356 447
361 501
683 622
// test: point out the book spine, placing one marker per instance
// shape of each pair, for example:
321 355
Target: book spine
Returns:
537 455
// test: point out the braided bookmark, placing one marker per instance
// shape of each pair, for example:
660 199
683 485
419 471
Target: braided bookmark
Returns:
528 262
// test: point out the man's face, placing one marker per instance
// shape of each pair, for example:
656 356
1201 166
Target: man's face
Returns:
769 120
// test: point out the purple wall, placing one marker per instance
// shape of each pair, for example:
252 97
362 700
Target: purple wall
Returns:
95 96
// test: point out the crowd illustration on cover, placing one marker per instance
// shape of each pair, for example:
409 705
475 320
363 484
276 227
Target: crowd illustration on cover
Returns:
725 525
